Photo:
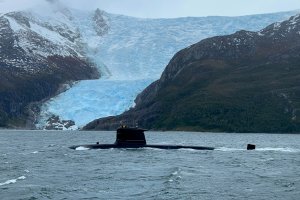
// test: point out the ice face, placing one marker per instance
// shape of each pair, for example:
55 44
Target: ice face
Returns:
92 99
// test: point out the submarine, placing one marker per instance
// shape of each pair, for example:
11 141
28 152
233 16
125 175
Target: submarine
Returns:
129 137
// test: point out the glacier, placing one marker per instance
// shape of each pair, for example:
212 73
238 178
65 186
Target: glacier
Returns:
130 56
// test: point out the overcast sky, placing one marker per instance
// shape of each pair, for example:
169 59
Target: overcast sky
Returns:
167 8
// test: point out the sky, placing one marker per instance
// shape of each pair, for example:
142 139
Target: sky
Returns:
167 8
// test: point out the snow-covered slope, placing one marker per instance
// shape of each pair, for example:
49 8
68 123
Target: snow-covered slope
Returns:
40 49
44 35
132 53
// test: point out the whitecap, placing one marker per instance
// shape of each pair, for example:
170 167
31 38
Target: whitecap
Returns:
81 148
175 173
12 180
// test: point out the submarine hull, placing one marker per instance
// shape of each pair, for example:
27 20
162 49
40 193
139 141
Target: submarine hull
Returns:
133 146
135 138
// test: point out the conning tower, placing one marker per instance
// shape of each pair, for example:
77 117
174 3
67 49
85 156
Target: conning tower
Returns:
130 136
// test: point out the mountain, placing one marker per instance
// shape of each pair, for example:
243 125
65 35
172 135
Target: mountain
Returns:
131 53
48 50
243 82
38 55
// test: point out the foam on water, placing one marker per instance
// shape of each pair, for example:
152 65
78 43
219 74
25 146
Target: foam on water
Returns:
81 148
175 175
153 149
229 149
12 180
189 149
282 149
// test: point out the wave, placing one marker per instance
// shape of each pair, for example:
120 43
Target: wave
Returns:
12 180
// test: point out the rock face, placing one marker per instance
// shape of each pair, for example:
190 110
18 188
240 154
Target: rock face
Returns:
55 123
244 82
100 25
37 56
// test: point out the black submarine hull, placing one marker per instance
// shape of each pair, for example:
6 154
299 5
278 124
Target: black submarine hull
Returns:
134 146
135 138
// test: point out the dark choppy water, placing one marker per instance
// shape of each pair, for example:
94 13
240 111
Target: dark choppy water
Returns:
39 165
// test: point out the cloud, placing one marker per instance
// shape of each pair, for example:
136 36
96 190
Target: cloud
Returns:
182 8
164 8
52 1
15 5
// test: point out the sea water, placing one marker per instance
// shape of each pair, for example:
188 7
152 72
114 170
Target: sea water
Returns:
39 165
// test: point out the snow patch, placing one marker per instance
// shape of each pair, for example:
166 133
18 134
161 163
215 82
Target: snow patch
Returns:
276 25
14 25
260 33
294 20
46 33
237 41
